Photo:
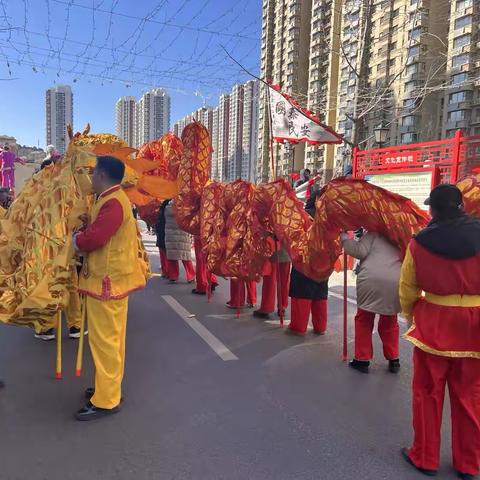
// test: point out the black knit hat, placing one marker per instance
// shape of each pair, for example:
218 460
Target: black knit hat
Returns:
444 197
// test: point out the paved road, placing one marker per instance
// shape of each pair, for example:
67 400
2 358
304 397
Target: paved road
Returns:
286 408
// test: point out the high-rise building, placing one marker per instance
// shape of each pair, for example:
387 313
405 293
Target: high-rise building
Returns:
153 115
406 64
323 78
284 61
223 136
59 114
462 99
250 130
214 138
235 134
125 120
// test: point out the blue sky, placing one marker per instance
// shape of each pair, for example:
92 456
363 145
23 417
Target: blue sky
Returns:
106 49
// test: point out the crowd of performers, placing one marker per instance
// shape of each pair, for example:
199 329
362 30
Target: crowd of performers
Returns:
436 285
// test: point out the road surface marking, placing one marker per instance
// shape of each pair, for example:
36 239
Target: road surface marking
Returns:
337 295
213 342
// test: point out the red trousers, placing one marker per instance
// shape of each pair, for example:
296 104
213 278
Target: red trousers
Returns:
174 272
201 268
269 288
462 375
237 292
163 262
301 308
387 329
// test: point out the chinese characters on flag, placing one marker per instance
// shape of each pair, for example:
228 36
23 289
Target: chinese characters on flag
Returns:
290 123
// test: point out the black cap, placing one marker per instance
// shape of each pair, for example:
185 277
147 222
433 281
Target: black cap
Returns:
445 196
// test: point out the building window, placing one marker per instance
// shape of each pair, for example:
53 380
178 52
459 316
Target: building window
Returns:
412 69
413 51
463 22
409 138
415 33
396 13
459 97
459 78
409 121
462 5
459 60
459 115
462 41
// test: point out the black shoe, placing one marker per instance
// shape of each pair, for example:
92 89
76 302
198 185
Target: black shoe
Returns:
91 412
394 366
406 457
465 476
318 333
262 315
74 332
90 392
360 365
198 292
47 335
214 286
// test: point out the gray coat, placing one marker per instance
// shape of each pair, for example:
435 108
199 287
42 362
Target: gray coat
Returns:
177 242
379 273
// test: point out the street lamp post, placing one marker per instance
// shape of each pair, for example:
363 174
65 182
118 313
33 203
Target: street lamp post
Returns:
381 133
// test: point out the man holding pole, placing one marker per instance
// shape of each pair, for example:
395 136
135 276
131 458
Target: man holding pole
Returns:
112 269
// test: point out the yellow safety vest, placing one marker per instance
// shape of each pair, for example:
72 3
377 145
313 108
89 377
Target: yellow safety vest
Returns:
118 268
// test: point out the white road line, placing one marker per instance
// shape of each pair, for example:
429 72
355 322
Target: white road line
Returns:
337 295
213 342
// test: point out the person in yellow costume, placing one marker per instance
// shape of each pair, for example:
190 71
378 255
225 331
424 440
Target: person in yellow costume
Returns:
112 269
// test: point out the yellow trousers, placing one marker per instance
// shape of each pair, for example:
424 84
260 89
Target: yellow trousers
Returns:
107 325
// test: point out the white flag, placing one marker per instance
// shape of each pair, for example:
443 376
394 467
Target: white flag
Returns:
291 123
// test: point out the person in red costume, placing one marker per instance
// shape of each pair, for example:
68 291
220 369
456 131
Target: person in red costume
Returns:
237 293
308 296
440 294
277 268
201 273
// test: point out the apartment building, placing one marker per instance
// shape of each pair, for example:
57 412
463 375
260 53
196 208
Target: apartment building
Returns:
323 71
284 62
250 130
235 134
223 135
412 65
58 114
125 120
214 173
392 71
462 98
153 116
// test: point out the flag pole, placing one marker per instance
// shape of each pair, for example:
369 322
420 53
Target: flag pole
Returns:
345 310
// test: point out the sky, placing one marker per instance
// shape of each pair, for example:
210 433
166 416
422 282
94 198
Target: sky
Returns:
105 49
